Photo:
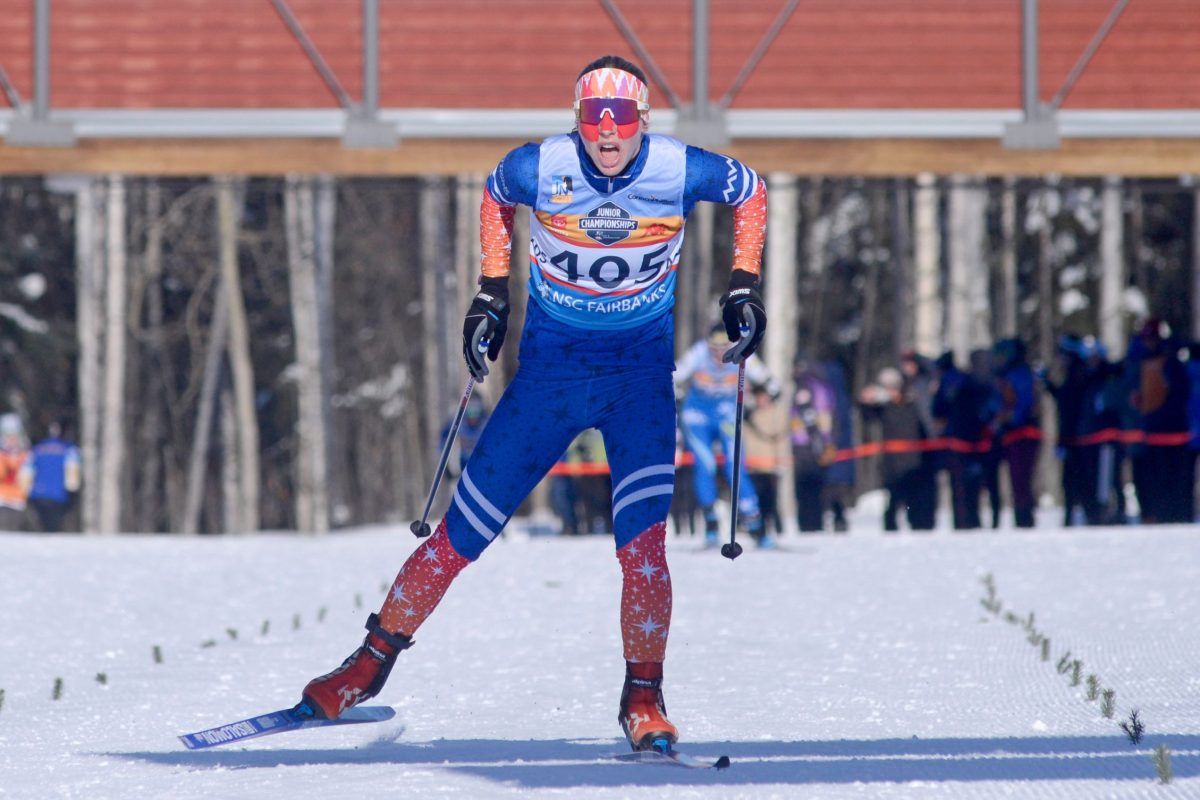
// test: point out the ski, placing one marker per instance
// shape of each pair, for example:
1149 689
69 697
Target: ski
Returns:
287 719
672 757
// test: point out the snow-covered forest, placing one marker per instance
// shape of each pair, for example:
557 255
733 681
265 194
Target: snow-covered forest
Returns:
282 353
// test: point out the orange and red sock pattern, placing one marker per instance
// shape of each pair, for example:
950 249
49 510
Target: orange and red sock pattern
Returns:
645 595
750 231
422 581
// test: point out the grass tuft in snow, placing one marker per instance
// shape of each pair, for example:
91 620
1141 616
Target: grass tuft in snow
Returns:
1076 672
321 614
1 698
57 692
1093 688
266 628
1107 703
1162 763
232 633
295 622
102 678
1045 648
157 652
1134 727
209 643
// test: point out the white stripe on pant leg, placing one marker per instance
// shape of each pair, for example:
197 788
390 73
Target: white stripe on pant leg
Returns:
642 494
476 523
644 472
483 502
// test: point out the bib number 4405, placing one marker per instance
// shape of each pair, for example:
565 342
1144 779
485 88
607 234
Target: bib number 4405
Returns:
610 271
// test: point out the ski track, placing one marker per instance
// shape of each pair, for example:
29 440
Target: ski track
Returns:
859 666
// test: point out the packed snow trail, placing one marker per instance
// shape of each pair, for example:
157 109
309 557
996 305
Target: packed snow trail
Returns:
848 666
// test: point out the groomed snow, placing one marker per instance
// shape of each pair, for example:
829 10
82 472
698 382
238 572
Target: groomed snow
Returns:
856 666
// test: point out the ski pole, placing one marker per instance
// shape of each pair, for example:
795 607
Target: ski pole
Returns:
420 528
732 549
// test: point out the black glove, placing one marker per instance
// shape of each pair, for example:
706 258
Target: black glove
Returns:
743 314
485 325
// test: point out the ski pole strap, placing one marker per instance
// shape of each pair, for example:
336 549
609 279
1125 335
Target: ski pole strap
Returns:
396 640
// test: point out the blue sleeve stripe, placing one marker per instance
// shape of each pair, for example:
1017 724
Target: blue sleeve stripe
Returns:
493 187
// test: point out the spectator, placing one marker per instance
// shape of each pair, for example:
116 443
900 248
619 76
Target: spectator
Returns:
1017 424
960 409
813 405
905 471
839 474
990 455
1161 398
1069 387
766 444
16 473
56 479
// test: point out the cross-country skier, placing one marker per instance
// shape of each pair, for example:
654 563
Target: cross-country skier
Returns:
608 204
709 406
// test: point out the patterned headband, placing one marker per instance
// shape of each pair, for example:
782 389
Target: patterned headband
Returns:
612 82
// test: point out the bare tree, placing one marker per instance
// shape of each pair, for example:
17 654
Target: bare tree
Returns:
241 362
89 295
112 432
311 496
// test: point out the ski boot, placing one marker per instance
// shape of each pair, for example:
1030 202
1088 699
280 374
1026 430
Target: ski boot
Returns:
643 715
359 678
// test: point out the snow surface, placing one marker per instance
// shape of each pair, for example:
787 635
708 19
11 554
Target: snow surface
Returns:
846 666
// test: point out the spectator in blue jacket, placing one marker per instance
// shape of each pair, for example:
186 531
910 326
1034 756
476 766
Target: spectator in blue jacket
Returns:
55 479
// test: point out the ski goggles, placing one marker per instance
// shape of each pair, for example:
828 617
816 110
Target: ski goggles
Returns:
624 114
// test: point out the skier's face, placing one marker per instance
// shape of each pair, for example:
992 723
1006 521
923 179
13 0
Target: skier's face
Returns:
612 113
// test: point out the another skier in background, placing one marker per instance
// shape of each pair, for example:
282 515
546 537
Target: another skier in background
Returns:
608 202
709 385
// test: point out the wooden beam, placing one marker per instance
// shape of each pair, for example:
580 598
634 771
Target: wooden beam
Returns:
864 157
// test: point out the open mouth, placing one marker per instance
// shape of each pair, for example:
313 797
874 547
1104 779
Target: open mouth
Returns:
610 155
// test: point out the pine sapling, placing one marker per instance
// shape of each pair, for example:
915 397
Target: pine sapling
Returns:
1107 703
102 678
231 633
1 698
1064 663
209 643
1076 672
1093 688
1162 763
158 659
1133 727
295 622
321 614
1046 649
266 626
56 694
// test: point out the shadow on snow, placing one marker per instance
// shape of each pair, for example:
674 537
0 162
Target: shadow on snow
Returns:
562 763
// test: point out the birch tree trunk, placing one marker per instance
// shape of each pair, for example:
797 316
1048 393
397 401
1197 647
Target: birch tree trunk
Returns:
89 296
332 480
1006 325
153 439
189 522
927 248
968 324
780 291
1195 265
241 363
231 513
1113 273
902 273
112 433
312 508
436 317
